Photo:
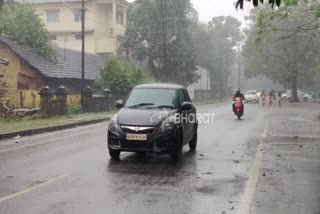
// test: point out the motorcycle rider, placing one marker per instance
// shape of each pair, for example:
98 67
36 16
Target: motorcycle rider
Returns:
238 94
263 97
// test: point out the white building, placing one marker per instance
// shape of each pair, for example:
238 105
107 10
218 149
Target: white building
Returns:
200 90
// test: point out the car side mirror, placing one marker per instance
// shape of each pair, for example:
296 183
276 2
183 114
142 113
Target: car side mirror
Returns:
119 103
186 106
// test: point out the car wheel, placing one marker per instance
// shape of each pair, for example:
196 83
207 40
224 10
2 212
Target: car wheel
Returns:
305 99
114 154
176 153
194 141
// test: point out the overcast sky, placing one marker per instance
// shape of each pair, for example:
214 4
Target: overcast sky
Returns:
210 8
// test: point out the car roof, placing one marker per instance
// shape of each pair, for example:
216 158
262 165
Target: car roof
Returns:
161 86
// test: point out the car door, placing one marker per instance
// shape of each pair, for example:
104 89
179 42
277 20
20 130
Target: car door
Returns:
193 118
184 116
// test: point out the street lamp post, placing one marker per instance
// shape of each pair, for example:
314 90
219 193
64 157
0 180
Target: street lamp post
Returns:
83 51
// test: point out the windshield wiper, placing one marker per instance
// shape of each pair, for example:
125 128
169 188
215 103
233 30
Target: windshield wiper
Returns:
166 106
141 104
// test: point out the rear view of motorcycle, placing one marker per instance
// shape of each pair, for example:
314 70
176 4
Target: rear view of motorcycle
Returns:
238 107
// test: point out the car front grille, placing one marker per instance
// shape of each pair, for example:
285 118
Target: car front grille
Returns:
137 129
131 144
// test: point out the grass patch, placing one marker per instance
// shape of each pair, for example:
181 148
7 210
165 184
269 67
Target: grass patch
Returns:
38 121
74 109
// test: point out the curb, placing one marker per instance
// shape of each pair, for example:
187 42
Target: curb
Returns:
51 129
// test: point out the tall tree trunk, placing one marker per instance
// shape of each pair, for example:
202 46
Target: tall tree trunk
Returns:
294 87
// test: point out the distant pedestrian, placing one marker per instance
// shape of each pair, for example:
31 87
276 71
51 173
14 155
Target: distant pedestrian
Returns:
280 97
271 94
263 98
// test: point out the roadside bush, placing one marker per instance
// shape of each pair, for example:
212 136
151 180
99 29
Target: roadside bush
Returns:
74 109
119 78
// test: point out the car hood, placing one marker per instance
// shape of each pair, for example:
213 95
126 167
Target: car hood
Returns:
143 117
250 96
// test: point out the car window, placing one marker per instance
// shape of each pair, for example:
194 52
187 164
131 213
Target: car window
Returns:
188 99
182 97
154 97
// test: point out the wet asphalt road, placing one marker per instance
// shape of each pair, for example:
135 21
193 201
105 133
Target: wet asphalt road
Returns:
70 171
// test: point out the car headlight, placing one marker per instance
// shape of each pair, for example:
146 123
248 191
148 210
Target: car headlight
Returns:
114 123
168 124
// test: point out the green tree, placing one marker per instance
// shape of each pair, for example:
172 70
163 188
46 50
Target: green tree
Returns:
119 78
255 3
214 43
22 25
292 61
158 32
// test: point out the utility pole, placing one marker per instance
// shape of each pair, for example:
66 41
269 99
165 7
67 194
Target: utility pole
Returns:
164 32
83 51
220 73
239 66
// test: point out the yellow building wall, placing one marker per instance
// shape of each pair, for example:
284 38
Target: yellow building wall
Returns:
21 98
31 99
10 73
73 99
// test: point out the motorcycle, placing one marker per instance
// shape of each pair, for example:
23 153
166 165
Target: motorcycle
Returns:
238 107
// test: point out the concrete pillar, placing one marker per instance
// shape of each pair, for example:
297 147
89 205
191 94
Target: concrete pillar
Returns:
61 100
46 100
114 26
87 99
125 16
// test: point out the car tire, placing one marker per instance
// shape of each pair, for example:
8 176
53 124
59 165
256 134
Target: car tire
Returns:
114 154
194 141
305 99
176 153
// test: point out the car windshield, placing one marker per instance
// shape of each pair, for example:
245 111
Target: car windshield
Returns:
250 93
152 98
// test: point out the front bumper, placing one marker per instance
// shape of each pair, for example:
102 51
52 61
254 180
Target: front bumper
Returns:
156 142
251 100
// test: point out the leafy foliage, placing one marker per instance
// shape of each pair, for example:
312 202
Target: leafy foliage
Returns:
149 36
22 25
119 78
74 109
214 43
255 3
292 60
291 19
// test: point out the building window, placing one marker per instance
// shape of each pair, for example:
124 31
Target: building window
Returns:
52 37
53 16
78 36
77 16
120 15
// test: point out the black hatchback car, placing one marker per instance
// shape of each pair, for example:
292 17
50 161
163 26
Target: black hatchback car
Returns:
156 118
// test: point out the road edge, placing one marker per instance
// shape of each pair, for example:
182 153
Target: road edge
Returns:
251 186
52 128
